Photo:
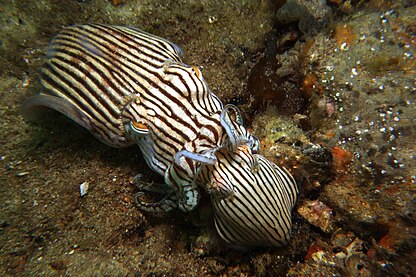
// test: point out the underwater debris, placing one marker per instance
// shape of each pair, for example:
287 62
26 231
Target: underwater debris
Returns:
273 81
336 2
21 174
384 62
341 158
343 255
344 34
283 142
317 214
202 245
83 188
310 83
59 264
312 15
116 2
377 5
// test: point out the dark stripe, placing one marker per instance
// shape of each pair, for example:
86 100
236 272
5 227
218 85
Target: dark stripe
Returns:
281 205
152 84
79 73
101 68
103 33
234 232
141 36
47 77
237 216
93 61
265 205
240 177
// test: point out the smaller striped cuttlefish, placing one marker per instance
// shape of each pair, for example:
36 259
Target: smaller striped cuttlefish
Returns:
127 86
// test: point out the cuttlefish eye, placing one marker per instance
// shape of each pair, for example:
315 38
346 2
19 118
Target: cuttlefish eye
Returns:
196 71
139 127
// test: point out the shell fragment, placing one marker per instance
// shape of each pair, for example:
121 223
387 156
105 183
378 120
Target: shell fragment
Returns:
83 188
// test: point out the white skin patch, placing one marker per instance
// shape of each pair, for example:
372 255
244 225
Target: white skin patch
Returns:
141 110
192 198
151 113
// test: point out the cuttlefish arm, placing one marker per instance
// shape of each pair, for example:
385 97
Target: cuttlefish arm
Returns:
231 120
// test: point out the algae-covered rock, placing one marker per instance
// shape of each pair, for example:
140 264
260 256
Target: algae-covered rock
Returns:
312 15
317 214
367 70
343 255
283 142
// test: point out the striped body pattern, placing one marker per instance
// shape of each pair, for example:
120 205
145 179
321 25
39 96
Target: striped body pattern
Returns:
100 69
127 86
252 198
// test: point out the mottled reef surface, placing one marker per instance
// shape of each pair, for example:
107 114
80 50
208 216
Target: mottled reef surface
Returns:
329 88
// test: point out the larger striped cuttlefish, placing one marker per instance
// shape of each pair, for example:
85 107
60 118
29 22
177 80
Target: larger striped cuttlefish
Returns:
127 86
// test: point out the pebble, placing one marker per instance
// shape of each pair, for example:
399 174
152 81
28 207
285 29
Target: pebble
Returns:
83 188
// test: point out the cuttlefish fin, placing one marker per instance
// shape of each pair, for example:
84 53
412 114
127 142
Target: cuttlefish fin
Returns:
34 106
